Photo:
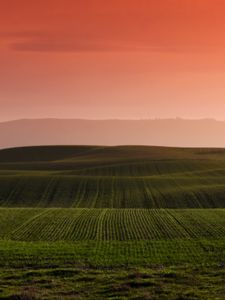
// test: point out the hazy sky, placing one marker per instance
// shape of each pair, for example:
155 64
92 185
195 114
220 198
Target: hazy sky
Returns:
112 59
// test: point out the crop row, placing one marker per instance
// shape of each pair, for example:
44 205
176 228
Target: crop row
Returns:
112 192
110 224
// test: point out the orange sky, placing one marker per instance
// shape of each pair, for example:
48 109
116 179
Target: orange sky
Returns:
112 59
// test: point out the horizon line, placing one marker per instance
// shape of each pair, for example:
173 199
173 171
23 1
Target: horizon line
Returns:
115 119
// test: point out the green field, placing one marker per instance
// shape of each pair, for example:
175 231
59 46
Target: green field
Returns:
136 222
112 177
110 224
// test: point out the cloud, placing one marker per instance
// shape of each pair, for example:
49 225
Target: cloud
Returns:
38 41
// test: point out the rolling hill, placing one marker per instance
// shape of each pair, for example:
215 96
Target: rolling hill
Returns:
112 177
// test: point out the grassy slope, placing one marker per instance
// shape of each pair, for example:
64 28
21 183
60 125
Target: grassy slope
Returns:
112 177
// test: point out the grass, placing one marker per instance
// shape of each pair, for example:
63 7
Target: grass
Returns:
189 189
109 254
112 253
112 177
158 282
110 224
87 222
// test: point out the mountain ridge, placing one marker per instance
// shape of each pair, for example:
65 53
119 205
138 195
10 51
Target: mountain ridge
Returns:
160 132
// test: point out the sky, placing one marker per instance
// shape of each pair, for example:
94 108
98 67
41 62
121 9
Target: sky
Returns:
125 59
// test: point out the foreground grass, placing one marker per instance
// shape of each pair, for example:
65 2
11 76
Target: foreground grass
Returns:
112 254
155 282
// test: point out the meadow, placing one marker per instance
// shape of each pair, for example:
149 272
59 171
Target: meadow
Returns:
128 222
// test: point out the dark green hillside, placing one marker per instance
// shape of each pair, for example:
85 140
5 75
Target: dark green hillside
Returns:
42 153
112 177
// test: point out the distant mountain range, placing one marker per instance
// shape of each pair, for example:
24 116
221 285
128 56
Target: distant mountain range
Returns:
160 132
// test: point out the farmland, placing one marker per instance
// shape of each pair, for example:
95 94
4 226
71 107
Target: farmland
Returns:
137 222
112 177
110 224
